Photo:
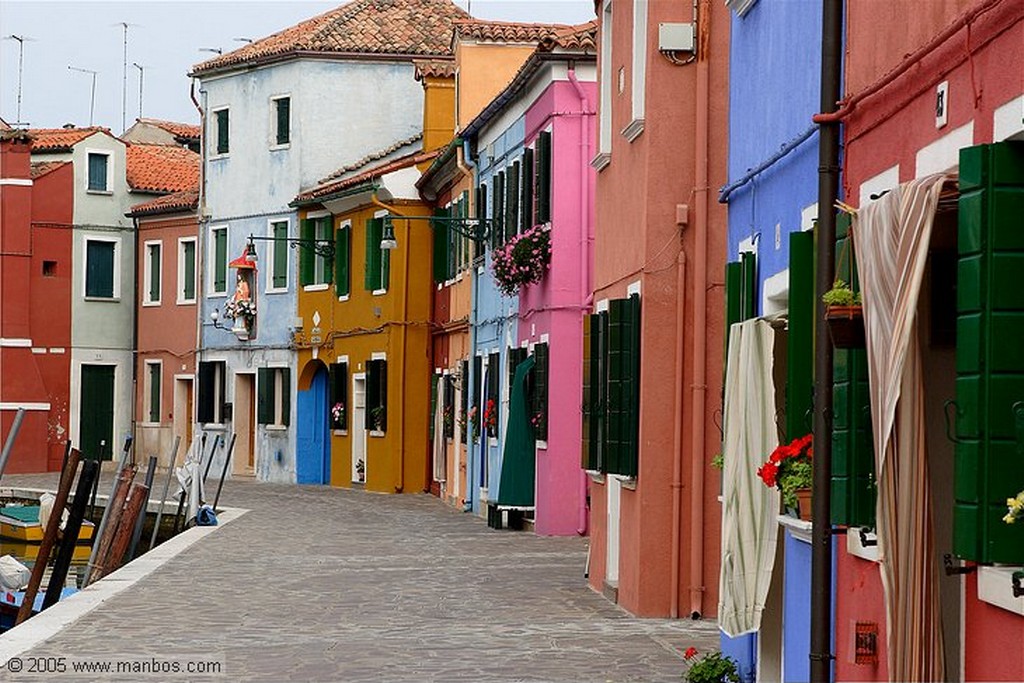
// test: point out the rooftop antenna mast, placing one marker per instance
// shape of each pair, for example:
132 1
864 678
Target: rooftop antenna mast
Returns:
92 99
141 69
124 72
21 63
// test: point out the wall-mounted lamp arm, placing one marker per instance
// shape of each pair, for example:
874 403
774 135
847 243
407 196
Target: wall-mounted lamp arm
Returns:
322 248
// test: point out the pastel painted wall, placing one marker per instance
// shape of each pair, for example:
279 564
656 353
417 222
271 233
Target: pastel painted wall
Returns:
553 309
484 69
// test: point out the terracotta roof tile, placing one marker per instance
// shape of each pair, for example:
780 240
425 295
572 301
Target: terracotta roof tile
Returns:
186 200
162 168
180 130
61 139
503 31
41 168
434 68
579 37
326 190
392 27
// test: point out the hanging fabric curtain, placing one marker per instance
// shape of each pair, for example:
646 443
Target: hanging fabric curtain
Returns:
892 236
440 451
750 526
519 463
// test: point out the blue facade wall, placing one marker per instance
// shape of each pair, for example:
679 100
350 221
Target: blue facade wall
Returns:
796 618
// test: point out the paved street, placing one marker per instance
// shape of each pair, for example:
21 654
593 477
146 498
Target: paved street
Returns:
320 584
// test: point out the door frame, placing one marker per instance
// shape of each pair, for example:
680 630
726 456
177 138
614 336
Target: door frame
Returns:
184 414
243 418
357 428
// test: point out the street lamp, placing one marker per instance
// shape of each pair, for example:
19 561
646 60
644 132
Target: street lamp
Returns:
476 229
322 248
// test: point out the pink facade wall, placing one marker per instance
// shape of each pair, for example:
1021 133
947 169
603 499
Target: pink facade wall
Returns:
887 129
556 305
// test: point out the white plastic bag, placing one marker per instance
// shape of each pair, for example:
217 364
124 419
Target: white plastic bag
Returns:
13 574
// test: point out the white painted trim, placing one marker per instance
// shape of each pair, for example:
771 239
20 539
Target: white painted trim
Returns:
808 215
379 355
775 294
749 245
57 349
639 68
211 250
24 182
319 213
857 549
116 241
39 350
604 123
15 342
994 587
1008 120
274 144
798 528
148 389
110 170
15 405
180 275
944 153
633 130
633 288
68 611
886 180
601 306
322 287
147 273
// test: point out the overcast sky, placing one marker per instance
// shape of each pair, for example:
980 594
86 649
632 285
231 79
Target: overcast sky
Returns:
165 39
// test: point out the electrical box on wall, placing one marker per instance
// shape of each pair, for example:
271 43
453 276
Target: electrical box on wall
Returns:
942 104
675 37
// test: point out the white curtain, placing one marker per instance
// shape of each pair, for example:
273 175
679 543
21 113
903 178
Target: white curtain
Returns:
891 238
440 464
750 509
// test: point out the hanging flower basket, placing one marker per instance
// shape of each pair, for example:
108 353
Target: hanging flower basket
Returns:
522 260
846 326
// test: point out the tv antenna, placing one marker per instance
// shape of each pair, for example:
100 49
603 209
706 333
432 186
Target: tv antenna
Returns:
92 99
124 72
142 69
21 63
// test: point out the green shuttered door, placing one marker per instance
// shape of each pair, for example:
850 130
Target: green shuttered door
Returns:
989 360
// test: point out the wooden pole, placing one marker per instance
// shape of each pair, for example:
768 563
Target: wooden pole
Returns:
101 530
59 574
115 508
167 487
67 477
124 532
137 531
224 472
11 436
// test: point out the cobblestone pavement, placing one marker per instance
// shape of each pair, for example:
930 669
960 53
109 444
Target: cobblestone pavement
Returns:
321 584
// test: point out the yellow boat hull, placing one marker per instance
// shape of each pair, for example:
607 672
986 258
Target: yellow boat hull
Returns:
33 533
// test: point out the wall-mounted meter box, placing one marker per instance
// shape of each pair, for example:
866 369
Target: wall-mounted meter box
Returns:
675 37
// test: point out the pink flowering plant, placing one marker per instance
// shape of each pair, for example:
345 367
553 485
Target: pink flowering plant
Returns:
522 260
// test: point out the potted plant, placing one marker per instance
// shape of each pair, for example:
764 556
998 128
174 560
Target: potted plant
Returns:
474 422
844 315
522 260
789 468
491 418
361 470
377 418
338 415
714 667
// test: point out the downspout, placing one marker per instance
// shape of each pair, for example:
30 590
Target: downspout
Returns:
586 294
677 433
200 220
400 487
467 166
137 302
828 189
700 290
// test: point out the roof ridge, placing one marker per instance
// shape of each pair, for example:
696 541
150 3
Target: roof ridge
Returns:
372 156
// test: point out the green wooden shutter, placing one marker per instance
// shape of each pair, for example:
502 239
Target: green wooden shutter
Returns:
189 288
205 400
526 215
441 237
371 278
385 257
544 177
464 373
220 260
342 241
155 251
433 403
618 391
154 391
588 408
306 256
372 392
478 371
539 394
512 201
800 340
286 395
222 131
853 459
382 371
498 231
280 276
283 120
264 396
99 278
748 290
989 455
494 390
481 213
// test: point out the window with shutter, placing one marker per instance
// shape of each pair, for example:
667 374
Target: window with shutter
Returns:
989 364
539 392
279 268
307 231
322 266
100 262
155 370
543 177
342 259
187 266
209 408
154 257
273 388
282 107
377 395
372 273
220 260
339 395
264 396
442 238
449 407
493 393
464 386
498 229
526 213
512 202
481 213
99 164
222 131
623 386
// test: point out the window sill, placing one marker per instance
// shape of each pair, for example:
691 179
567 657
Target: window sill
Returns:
185 302
995 588
377 434
492 441
150 425
633 130
276 428
216 295
104 193
322 287
220 157
276 290
215 427
601 161
280 146
857 549
343 298
800 529
379 292
596 476
542 445
339 432
627 482
151 304
103 299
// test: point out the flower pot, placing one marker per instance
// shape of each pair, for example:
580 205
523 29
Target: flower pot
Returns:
846 326
803 497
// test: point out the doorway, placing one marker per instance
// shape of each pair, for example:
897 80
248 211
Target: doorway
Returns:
183 416
96 412
357 428
245 424
313 457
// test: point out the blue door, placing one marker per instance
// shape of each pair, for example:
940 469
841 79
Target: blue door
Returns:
313 462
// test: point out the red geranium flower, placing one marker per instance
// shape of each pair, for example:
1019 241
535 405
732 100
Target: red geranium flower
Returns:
690 653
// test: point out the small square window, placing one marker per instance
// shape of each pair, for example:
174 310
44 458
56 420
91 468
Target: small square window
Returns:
282 109
49 269
222 131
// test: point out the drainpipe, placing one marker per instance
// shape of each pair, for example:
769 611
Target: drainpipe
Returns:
400 487
586 295
471 488
677 434
828 189
135 334
700 290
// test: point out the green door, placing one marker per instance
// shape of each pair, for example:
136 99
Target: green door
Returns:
96 417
